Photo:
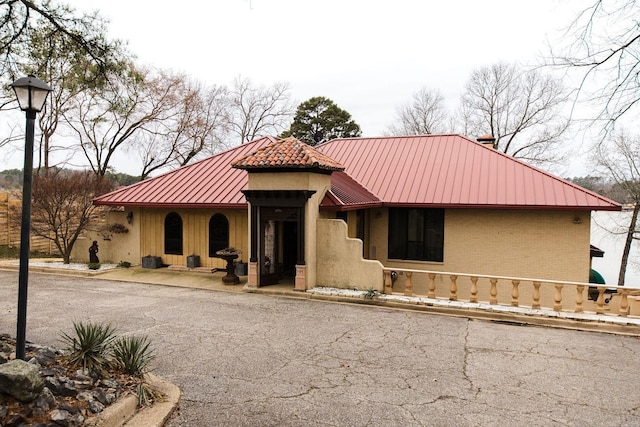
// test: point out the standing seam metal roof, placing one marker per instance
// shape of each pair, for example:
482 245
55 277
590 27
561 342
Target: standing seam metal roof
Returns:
410 171
454 171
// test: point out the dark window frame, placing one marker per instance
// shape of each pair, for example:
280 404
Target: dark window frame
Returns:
416 234
218 233
173 234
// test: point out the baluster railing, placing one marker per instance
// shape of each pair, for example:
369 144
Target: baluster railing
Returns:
432 286
624 303
546 294
474 289
388 284
493 292
536 295
515 294
557 298
408 284
453 289
579 298
600 301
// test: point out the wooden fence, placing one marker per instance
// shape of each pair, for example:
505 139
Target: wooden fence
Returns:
10 232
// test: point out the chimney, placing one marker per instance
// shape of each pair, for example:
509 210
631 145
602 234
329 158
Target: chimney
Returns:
487 140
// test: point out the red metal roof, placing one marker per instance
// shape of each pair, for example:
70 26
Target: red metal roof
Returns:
454 171
209 183
287 153
412 171
347 194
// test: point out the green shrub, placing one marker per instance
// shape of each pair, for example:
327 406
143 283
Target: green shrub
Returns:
90 346
370 293
94 266
124 264
133 355
146 395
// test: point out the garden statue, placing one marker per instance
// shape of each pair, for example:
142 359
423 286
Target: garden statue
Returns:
93 253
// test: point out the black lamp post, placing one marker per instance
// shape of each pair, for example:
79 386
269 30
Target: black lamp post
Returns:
31 93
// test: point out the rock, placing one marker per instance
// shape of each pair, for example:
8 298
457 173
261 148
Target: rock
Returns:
44 402
111 383
65 418
101 396
95 406
61 386
85 396
20 380
3 411
14 420
45 355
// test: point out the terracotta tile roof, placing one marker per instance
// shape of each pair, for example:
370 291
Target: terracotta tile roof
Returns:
288 153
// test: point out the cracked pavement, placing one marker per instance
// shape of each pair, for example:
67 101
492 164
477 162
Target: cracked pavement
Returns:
247 359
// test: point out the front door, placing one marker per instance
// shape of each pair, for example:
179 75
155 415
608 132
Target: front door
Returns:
279 243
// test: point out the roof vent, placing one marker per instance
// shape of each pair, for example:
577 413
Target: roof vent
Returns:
487 141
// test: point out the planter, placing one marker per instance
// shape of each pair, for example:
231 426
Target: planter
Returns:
193 261
151 261
241 268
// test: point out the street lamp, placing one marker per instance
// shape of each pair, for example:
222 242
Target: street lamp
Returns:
31 93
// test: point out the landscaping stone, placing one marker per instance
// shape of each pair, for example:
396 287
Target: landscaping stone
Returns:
65 398
20 380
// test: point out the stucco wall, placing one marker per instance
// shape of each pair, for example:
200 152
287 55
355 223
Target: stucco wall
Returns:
339 259
299 181
113 247
520 243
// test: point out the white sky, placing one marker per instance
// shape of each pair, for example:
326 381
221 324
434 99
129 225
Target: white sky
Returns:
368 56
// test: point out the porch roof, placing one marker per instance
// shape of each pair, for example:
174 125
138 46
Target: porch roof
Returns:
347 194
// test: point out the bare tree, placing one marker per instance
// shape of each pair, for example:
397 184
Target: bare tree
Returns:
621 161
68 69
521 109
257 111
198 126
63 206
105 120
83 31
605 50
424 114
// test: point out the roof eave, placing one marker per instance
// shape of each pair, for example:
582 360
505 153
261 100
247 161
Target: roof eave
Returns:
502 206
176 205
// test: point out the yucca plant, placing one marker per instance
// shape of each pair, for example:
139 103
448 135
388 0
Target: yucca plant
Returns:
133 355
146 395
89 348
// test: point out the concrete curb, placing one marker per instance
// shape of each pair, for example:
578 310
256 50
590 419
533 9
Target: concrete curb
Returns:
125 411
601 325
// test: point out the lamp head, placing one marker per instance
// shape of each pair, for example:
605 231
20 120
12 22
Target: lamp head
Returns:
31 93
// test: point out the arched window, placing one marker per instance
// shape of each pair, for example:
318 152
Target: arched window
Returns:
173 234
218 233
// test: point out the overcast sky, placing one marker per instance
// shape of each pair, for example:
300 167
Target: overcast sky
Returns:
368 56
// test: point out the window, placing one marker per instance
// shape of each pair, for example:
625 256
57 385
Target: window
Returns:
416 234
218 234
173 234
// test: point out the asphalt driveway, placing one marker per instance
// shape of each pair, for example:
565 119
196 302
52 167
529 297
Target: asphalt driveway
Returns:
258 360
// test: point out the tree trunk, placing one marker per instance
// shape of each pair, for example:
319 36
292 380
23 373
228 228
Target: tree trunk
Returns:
627 246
